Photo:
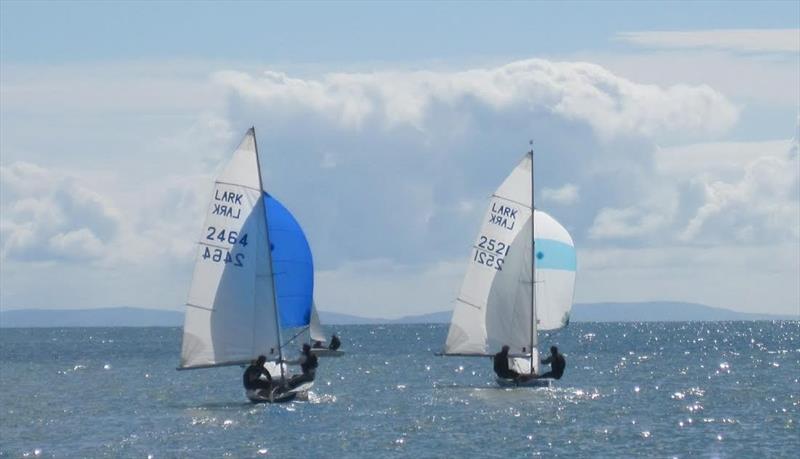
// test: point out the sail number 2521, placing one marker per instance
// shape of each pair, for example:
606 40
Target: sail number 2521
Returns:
491 252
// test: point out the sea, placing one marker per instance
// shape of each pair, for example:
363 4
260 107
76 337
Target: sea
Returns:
704 389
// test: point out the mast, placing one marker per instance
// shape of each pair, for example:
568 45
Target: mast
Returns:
269 256
534 334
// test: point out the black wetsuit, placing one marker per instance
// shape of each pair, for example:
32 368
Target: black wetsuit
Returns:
252 378
335 343
501 366
310 364
309 368
557 365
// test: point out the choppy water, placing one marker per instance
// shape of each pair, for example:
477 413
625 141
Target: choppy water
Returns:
728 389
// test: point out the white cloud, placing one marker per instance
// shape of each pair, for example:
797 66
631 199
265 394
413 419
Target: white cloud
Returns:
388 172
581 91
626 223
720 159
763 204
746 40
50 216
566 195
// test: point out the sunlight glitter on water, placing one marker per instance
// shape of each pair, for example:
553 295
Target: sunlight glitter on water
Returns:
433 409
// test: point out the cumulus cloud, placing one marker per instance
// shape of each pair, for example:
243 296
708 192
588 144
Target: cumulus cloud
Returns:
762 205
566 195
747 40
626 222
389 174
588 93
710 193
50 216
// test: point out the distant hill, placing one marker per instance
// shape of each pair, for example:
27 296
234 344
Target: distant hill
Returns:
655 311
346 319
662 311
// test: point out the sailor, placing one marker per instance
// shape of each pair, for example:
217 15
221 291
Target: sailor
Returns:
335 343
557 364
317 345
256 376
501 365
308 365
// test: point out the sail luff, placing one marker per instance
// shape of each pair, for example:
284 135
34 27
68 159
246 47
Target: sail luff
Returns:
534 336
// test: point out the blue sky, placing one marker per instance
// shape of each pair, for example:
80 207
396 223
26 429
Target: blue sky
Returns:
350 32
667 139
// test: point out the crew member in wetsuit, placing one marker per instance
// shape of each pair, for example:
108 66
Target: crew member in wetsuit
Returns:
308 365
335 343
252 375
557 364
501 365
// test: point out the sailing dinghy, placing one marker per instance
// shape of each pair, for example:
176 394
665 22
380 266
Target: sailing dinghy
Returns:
316 334
498 304
253 275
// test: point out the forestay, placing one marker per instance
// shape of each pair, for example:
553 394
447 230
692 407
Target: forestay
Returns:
494 305
230 314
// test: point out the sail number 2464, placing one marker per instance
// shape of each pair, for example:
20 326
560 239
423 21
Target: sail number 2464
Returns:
226 256
221 255
232 237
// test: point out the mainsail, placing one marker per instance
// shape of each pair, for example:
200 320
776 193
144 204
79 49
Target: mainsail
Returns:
495 307
253 273
315 330
230 313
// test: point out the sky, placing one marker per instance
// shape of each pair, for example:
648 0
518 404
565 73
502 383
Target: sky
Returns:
666 138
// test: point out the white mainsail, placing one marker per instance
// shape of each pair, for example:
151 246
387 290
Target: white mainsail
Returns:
315 330
495 307
230 313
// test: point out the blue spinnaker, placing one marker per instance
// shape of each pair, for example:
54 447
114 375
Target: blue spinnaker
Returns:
292 265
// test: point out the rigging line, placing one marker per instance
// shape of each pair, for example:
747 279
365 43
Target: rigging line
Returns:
296 335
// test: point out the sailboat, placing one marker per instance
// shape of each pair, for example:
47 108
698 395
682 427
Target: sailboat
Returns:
253 276
316 334
509 294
